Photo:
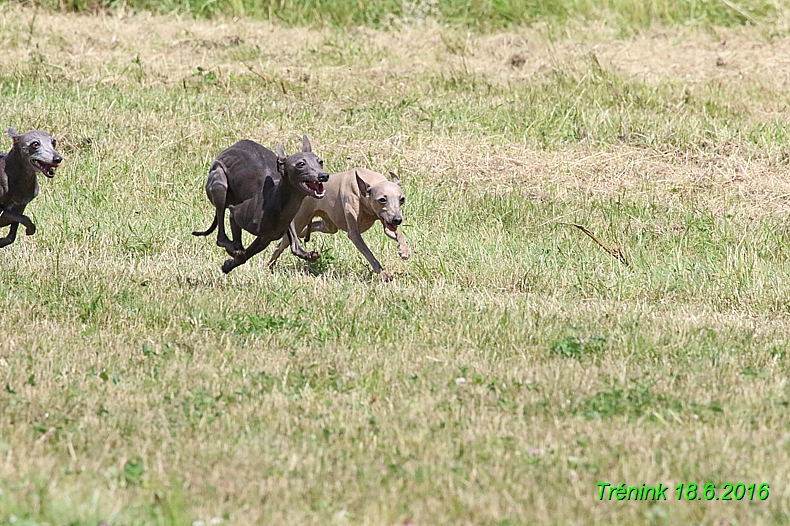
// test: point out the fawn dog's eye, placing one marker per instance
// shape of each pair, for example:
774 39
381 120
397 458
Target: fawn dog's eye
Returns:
383 200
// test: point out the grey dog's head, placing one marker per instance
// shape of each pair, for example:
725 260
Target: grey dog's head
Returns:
305 170
385 199
38 149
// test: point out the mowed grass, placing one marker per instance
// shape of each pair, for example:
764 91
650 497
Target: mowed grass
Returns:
512 364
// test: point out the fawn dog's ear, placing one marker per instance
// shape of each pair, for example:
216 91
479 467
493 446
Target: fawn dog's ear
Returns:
394 178
364 188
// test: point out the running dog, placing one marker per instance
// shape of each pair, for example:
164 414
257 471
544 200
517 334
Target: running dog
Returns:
263 192
32 153
354 201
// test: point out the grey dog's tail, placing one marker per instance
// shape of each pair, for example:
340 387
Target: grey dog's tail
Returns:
207 232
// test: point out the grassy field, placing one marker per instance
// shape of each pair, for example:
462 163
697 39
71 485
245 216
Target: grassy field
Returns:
485 15
512 364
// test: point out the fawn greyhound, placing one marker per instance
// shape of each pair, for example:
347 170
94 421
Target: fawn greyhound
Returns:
263 192
354 201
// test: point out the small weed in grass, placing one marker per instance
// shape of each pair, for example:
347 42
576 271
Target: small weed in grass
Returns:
258 325
636 401
574 347
133 471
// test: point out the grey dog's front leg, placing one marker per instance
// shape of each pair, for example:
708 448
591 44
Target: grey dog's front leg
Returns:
17 219
316 226
11 237
30 228
296 246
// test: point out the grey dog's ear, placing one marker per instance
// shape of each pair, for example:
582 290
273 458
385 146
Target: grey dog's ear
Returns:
268 186
14 135
364 188
306 146
394 178
281 159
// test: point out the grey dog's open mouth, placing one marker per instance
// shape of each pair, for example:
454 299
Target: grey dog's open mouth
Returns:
47 169
313 189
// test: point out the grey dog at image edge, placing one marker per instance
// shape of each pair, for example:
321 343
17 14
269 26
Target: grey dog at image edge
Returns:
263 192
354 201
32 153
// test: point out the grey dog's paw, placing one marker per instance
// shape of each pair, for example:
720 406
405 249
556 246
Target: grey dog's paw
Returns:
4 242
229 265
30 229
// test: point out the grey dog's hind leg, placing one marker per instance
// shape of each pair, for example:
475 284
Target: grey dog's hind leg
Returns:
255 247
235 233
217 191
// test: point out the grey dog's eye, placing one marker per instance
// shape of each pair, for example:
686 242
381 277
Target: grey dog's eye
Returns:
300 164
54 143
35 145
321 162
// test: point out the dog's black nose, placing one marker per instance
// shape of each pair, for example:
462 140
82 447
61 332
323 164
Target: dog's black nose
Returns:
57 159
323 177
397 220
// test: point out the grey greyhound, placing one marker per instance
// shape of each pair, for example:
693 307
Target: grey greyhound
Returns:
32 153
263 192
354 201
